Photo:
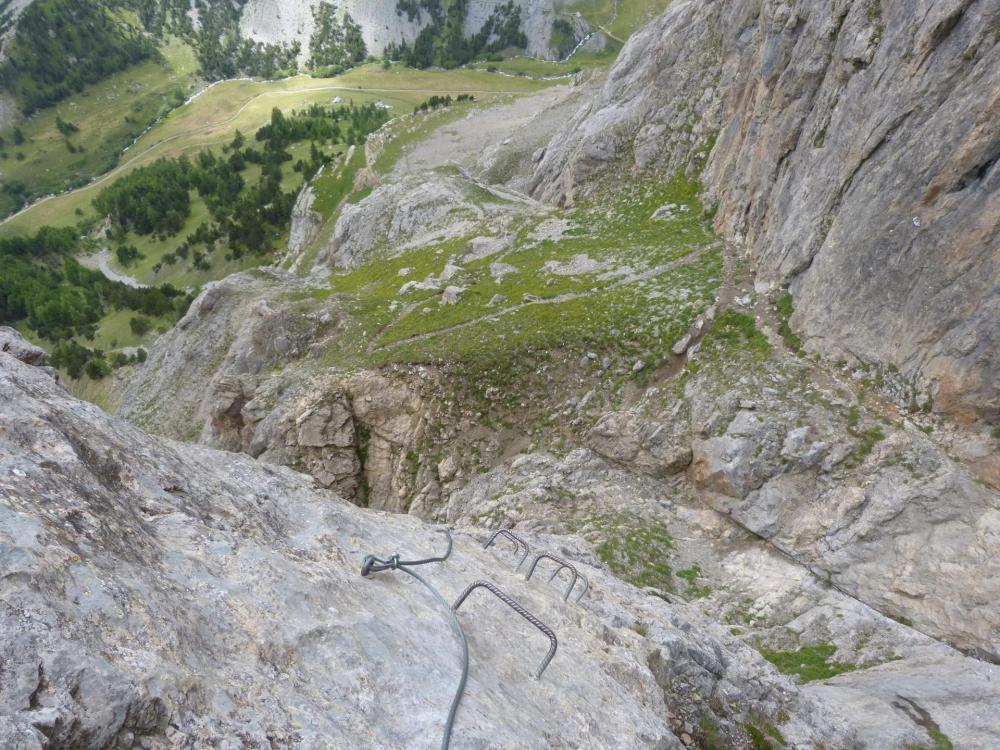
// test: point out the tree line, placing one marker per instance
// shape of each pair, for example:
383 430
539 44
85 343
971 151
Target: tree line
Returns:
440 102
45 288
60 46
443 42
335 45
247 218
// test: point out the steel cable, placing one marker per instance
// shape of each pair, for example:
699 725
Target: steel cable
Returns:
372 564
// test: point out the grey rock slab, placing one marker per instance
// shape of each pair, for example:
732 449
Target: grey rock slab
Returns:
894 705
14 344
179 595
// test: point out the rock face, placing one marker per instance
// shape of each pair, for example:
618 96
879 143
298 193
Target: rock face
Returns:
311 429
904 528
163 595
738 578
417 210
14 344
281 21
235 374
233 331
639 443
852 146
305 224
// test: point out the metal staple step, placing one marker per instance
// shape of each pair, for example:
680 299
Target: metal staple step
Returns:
518 543
513 604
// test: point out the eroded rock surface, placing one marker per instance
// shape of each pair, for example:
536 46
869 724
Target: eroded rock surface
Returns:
884 513
163 595
899 682
14 344
235 329
416 210
305 224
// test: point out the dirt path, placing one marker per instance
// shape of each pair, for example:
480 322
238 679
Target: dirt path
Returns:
102 261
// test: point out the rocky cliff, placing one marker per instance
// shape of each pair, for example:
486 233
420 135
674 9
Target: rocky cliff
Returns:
162 595
278 21
852 148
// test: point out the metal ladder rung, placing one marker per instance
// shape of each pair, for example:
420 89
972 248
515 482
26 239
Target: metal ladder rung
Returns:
562 564
513 604
518 543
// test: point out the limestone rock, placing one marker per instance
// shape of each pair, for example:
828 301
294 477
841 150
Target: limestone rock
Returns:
885 514
484 247
451 295
12 342
305 223
165 595
629 439
414 211
681 345
774 600
499 270
393 416
233 331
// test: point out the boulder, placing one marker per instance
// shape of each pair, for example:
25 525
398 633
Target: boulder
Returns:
14 344
632 440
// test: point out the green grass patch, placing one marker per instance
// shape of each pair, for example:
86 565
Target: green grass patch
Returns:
867 438
764 737
735 330
359 195
109 115
535 68
214 116
637 552
336 182
939 741
637 281
791 339
632 14
115 332
808 663
691 576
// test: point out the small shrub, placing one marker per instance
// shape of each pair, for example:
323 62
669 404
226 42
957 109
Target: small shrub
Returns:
140 325
97 369
791 339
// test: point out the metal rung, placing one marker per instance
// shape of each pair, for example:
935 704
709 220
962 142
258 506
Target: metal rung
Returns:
581 576
518 543
513 604
562 564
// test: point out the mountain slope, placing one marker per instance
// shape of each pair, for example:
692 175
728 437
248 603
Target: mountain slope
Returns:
852 148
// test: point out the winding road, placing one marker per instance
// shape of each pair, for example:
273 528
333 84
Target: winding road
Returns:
104 266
